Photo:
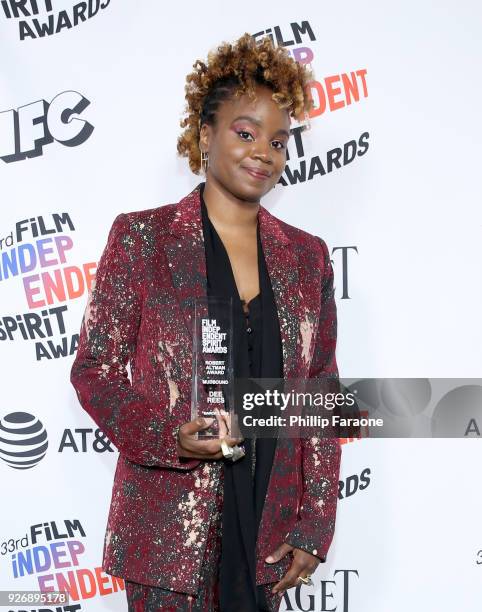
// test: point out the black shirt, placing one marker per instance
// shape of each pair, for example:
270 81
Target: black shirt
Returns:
257 354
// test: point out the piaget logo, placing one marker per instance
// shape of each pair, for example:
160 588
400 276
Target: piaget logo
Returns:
333 595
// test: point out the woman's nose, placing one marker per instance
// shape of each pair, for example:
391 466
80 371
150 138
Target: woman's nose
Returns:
262 150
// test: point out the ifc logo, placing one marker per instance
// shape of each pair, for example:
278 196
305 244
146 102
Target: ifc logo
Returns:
23 440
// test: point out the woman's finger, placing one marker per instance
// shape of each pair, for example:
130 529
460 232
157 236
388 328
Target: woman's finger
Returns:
203 449
290 579
199 449
222 426
227 419
192 427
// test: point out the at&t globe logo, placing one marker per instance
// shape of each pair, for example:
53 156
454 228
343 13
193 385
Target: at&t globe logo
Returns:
23 440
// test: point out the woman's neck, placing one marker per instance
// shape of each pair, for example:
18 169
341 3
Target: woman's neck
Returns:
228 213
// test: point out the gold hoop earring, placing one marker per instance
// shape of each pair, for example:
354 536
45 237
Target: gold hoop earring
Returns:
204 161
306 124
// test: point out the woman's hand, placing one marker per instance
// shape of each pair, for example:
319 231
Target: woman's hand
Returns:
303 563
191 448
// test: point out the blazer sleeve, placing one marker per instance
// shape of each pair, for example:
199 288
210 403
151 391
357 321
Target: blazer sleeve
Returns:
107 342
320 456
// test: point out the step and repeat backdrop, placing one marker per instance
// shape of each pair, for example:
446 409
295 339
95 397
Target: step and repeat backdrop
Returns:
91 97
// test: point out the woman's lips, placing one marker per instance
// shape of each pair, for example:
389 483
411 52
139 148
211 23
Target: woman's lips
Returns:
257 175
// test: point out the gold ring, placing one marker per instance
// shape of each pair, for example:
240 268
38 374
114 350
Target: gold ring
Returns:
228 451
306 579
238 452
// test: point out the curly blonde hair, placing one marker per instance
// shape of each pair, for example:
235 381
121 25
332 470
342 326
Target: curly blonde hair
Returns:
233 70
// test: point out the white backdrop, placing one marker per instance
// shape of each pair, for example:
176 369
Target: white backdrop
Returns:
408 535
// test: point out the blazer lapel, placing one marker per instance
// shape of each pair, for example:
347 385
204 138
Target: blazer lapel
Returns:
282 264
184 249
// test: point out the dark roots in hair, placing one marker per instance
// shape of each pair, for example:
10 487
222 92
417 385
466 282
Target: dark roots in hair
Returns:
236 69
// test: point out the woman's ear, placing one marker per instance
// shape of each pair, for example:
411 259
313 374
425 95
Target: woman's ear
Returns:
204 137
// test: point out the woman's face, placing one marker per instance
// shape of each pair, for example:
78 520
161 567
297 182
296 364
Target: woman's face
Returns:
247 146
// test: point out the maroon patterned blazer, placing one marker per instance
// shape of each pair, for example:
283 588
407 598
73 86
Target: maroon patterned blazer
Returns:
140 311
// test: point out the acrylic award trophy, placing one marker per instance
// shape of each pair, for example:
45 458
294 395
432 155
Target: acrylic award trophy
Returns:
212 359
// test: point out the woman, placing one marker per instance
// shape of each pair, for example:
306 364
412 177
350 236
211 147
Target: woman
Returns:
188 527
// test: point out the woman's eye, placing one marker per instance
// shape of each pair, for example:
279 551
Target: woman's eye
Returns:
243 133
278 144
